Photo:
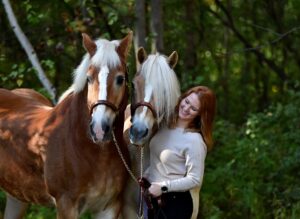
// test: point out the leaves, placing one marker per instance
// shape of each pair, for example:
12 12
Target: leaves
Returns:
253 171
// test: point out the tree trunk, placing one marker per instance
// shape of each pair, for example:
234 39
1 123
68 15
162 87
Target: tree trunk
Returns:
191 39
140 26
157 26
29 50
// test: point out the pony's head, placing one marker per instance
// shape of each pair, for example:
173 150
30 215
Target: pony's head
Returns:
103 73
156 91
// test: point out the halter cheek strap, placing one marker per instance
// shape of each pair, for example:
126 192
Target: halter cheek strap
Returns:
146 104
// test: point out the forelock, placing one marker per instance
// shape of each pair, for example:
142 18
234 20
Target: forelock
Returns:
106 54
164 83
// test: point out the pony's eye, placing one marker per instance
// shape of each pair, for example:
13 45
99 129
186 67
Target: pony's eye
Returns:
119 79
89 79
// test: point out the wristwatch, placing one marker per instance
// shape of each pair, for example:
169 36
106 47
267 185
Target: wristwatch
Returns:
164 189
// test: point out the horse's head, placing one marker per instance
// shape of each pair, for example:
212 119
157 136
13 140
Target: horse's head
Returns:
104 69
155 94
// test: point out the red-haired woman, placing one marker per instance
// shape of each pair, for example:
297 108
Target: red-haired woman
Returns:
177 155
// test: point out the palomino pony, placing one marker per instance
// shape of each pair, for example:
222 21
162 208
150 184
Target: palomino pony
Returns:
155 94
63 156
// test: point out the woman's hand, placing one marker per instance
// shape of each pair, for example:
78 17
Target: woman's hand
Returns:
155 190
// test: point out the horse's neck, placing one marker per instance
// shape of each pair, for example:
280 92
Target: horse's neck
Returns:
135 156
120 120
73 110
134 152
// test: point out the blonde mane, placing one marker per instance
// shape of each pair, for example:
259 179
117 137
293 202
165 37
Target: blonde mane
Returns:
166 89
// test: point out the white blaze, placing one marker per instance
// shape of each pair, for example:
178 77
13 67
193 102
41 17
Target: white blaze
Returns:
147 98
102 78
102 95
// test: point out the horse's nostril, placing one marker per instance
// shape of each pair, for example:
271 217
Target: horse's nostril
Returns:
145 133
132 130
105 127
91 128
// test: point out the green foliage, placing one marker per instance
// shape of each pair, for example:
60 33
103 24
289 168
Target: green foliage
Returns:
253 170
2 203
38 212
16 77
33 17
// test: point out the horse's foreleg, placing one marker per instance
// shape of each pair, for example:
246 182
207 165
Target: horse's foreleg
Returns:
14 209
112 212
129 211
195 196
131 199
66 208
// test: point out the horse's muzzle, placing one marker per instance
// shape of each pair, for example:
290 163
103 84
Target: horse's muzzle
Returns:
138 133
100 132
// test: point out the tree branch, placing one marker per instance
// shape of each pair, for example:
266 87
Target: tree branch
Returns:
29 50
261 57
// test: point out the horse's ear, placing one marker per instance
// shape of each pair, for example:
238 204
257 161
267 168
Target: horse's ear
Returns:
141 55
125 45
89 44
173 59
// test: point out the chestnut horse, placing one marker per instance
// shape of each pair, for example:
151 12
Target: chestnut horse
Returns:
155 95
63 156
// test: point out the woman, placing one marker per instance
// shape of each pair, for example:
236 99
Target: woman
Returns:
177 155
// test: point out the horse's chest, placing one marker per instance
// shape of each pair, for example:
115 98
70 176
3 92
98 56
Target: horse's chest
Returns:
101 194
106 184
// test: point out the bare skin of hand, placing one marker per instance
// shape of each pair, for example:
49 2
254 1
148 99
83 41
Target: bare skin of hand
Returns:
155 190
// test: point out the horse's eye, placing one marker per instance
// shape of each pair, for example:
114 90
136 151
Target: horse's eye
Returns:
119 80
89 79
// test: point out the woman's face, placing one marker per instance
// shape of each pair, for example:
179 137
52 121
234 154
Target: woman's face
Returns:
189 107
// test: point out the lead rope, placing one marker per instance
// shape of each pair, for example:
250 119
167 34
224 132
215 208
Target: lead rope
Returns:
140 213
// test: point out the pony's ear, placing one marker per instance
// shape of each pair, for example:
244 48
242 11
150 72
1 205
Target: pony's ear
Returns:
89 44
125 45
173 59
141 55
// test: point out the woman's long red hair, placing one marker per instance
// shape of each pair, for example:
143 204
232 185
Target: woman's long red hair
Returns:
203 123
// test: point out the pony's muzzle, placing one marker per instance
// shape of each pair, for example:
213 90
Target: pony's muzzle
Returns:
137 132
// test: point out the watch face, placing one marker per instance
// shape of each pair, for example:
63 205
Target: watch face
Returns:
164 188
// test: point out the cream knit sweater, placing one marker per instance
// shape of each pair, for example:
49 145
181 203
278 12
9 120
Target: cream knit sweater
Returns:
176 159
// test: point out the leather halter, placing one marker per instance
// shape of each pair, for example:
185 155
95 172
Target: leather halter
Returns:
146 104
106 103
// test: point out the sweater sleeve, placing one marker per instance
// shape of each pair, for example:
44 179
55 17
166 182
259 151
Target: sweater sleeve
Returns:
195 162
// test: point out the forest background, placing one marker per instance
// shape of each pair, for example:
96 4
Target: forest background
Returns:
247 51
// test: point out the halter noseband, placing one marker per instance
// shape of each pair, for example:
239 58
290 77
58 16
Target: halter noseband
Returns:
146 104
106 103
